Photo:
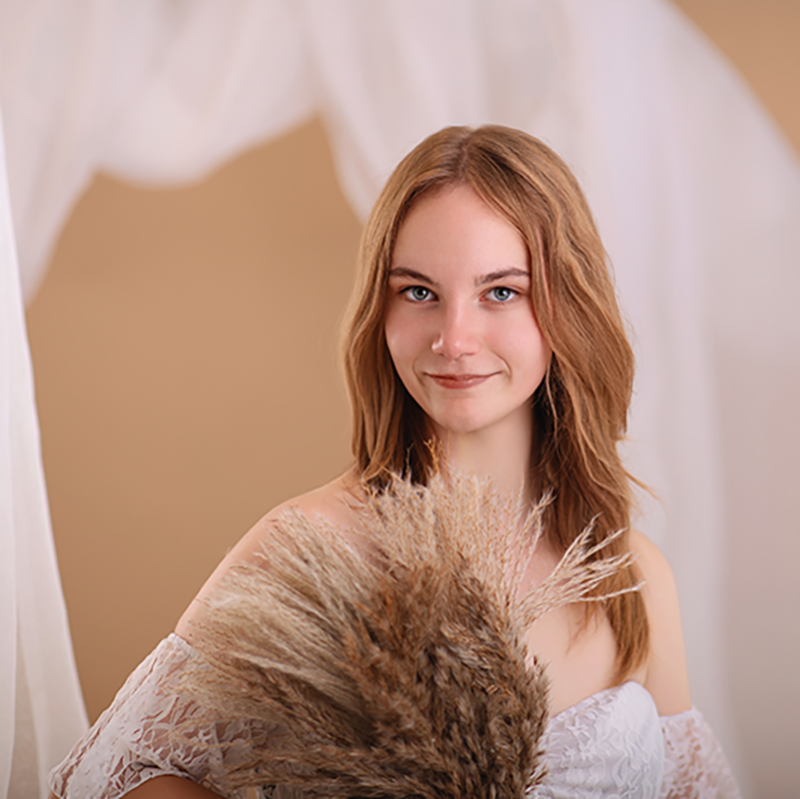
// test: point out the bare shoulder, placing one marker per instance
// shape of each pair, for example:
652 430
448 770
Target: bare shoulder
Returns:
335 503
649 559
666 676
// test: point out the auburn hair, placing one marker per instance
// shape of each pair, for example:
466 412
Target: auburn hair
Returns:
580 409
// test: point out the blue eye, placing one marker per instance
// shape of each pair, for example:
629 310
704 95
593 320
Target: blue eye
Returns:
502 293
418 293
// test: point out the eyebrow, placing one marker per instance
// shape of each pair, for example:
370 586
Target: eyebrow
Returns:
490 277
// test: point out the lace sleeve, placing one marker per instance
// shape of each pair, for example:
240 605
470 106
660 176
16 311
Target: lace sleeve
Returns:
131 742
694 764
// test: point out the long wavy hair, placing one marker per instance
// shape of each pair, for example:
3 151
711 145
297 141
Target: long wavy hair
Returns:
579 410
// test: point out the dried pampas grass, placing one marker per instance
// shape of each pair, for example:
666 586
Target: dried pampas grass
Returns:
397 668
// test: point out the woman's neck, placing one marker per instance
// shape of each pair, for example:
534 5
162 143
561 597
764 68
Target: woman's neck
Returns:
501 452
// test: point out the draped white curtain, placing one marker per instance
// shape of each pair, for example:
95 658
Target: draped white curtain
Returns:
41 711
691 184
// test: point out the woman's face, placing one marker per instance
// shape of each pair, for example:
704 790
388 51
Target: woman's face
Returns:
459 320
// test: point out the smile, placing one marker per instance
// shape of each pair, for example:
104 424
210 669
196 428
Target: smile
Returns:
458 381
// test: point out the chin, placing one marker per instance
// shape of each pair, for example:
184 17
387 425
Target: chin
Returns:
462 425
475 420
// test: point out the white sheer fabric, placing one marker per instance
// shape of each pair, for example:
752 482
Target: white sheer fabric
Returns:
156 90
649 116
694 764
42 711
611 744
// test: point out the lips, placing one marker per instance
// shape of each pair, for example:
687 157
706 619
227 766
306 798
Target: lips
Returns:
458 381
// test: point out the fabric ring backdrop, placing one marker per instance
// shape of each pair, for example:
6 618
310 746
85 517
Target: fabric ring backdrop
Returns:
646 113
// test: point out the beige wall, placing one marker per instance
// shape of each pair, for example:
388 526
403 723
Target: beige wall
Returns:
184 351
762 39
184 347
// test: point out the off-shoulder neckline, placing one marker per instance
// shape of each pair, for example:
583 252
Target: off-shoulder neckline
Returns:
599 696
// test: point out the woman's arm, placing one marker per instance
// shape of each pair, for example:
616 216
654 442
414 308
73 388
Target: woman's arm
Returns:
666 676
168 788
171 788
130 749
694 764
132 745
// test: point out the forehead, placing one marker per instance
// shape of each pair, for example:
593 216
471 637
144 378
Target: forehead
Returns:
454 226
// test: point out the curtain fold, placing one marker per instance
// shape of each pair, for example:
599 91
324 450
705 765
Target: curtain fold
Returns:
43 711
152 90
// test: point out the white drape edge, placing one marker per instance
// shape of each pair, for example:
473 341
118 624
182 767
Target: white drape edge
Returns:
39 681
158 93
8 581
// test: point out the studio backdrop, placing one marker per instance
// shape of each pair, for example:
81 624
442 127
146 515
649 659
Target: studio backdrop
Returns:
697 197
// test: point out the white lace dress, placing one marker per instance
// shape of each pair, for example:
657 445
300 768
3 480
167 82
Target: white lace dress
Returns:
611 744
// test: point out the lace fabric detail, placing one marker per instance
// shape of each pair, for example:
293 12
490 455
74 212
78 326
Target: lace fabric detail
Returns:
130 742
694 763
610 744
607 745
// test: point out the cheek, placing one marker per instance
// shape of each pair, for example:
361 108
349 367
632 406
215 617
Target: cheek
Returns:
399 341
532 355
391 334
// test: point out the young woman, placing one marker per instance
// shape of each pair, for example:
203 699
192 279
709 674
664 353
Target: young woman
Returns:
484 328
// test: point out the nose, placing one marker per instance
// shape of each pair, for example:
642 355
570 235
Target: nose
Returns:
457 334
